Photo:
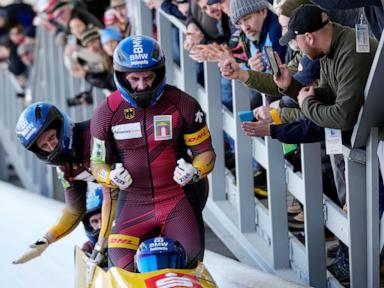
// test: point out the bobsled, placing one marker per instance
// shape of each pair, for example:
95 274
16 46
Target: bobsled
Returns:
116 277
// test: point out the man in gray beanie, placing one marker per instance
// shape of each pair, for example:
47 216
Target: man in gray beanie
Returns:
260 27
240 8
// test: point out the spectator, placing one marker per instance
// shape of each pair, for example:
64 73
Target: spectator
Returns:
30 35
263 82
90 39
102 75
260 27
109 38
62 11
20 14
343 97
26 53
112 19
77 26
16 34
120 7
179 9
4 25
201 28
5 51
337 101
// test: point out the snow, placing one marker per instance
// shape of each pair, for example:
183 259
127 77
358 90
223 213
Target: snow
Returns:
27 216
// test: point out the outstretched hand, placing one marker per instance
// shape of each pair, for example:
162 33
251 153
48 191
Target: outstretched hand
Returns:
256 129
34 250
231 70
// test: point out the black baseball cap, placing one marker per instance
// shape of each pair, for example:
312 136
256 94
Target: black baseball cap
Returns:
305 18
211 2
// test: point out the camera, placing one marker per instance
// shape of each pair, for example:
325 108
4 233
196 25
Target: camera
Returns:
84 97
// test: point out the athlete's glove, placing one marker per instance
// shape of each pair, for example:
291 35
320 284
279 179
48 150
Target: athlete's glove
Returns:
120 176
185 173
34 250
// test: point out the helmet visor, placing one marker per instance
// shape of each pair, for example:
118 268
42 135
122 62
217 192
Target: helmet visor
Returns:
154 262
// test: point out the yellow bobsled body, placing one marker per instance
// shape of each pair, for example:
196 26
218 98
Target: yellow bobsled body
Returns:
118 278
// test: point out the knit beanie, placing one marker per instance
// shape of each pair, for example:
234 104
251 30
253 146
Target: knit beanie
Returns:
117 3
286 7
56 4
109 34
89 35
240 8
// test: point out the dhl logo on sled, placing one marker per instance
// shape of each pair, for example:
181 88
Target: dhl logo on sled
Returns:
119 278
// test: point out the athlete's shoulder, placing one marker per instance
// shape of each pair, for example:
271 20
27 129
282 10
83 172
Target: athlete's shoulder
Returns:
114 100
178 97
107 107
82 127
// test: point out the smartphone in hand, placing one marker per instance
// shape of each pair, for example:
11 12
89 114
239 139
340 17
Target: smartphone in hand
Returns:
272 60
245 116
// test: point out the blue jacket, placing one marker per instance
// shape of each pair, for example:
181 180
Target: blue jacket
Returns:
170 8
301 131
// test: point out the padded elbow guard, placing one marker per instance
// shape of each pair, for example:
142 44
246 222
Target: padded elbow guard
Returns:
101 172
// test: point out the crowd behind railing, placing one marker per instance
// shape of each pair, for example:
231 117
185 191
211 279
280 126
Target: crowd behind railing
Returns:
235 34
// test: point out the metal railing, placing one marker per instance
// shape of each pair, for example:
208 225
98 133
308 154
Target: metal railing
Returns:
256 233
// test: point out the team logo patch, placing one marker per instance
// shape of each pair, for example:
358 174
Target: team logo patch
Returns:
98 150
26 129
123 241
127 131
60 175
173 279
162 127
129 113
199 117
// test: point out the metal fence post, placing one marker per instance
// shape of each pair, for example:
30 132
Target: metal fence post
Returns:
215 123
373 217
145 19
244 174
313 213
277 204
357 211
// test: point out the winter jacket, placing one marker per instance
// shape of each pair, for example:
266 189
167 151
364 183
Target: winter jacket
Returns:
343 75
373 10
264 83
